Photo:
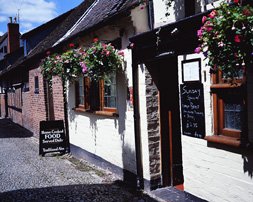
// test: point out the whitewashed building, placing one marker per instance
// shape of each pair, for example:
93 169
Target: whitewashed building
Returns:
181 111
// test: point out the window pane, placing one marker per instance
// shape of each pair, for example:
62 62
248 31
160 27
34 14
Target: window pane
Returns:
110 92
81 92
233 114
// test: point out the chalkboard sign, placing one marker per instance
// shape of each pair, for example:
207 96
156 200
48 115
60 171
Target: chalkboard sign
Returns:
192 109
52 137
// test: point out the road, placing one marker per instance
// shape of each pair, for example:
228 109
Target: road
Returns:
26 176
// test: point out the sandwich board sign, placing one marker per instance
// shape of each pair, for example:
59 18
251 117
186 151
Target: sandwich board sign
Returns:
52 137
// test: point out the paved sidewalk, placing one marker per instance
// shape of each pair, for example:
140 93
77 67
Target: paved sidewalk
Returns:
26 176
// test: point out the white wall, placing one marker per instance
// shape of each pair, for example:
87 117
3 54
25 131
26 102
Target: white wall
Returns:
211 173
177 10
143 122
111 138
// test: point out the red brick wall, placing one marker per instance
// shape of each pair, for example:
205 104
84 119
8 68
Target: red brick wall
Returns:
34 104
34 107
58 98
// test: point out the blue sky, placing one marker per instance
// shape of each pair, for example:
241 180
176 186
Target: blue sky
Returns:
32 12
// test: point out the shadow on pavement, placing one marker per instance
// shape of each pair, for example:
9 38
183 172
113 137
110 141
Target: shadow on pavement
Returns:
88 192
8 129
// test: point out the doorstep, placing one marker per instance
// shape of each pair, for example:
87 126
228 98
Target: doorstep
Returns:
171 194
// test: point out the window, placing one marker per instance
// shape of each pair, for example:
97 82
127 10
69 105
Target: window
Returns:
97 96
228 105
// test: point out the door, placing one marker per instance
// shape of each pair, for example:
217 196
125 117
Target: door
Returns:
165 74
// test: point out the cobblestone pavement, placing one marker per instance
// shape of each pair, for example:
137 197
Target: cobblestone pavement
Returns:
26 176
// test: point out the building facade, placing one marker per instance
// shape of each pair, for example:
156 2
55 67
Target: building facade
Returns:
178 122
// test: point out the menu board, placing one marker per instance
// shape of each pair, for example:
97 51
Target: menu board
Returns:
52 137
192 109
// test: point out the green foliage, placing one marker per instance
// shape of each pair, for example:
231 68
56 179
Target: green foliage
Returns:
66 65
96 62
226 39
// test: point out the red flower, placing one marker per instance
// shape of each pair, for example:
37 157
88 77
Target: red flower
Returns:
204 19
71 45
246 12
236 1
95 40
212 14
237 39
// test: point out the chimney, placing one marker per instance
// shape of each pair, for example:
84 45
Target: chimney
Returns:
13 36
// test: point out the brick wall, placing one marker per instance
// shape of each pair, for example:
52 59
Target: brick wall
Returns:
58 98
34 109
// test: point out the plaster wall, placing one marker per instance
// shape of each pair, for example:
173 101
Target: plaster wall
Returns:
110 138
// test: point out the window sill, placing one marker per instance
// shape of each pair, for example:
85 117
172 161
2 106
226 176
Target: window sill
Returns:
100 113
225 86
230 141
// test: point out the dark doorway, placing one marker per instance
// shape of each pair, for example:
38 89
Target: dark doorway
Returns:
164 73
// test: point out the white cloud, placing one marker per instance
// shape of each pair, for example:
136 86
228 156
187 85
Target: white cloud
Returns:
30 11
3 19
1 33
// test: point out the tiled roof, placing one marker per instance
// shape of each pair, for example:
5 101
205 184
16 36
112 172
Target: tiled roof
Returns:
102 11
2 38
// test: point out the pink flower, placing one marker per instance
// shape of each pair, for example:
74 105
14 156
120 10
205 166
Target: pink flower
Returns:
212 14
204 19
48 52
95 40
57 57
199 33
208 29
237 39
84 67
107 53
121 53
197 50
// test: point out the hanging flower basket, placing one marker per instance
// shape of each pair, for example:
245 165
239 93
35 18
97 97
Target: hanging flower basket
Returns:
97 62
65 65
100 60
226 39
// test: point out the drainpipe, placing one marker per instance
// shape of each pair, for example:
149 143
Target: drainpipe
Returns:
64 89
151 14
137 128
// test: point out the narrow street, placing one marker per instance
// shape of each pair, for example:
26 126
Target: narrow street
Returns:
26 176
